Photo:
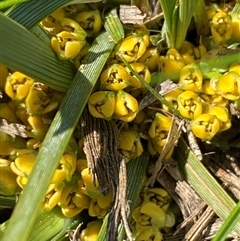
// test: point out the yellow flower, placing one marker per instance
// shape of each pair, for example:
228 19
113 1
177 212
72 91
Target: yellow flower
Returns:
235 68
130 144
90 233
228 85
221 113
66 168
126 107
101 104
52 196
8 182
221 26
7 113
36 127
17 86
159 128
91 184
133 47
205 126
148 214
83 52
236 27
171 97
72 200
10 145
66 45
39 100
142 70
157 195
23 164
199 52
74 28
150 58
149 233
54 18
191 78
115 78
90 21
95 210
172 63
189 104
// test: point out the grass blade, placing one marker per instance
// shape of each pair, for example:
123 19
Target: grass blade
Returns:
22 51
7 202
201 19
228 224
56 140
9 3
186 10
203 183
168 9
113 25
32 12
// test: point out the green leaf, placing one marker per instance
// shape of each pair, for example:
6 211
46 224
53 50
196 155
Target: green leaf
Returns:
7 202
228 224
32 12
168 9
56 140
9 3
201 19
113 26
186 10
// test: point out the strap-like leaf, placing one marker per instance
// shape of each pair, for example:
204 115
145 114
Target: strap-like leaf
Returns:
113 25
32 12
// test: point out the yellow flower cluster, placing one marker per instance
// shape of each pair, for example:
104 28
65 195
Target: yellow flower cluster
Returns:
70 29
32 103
153 215
201 100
